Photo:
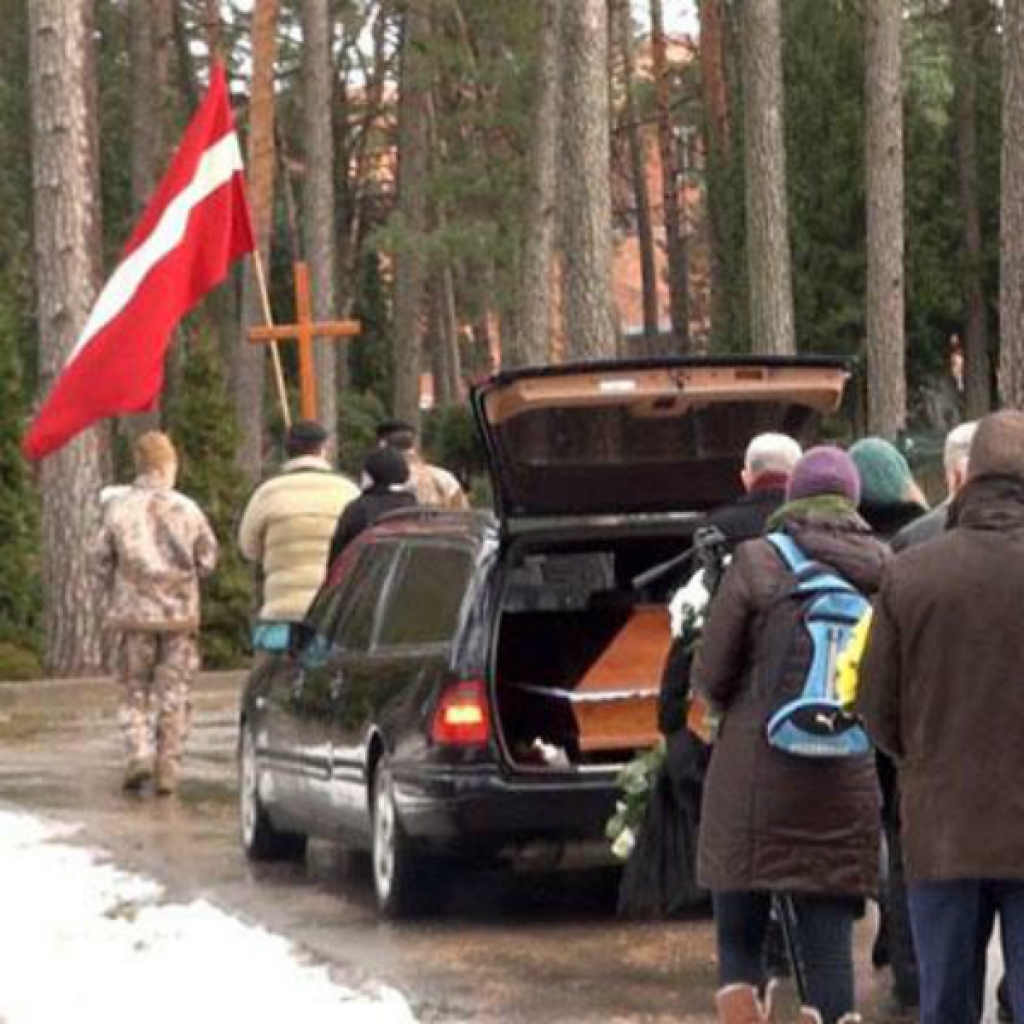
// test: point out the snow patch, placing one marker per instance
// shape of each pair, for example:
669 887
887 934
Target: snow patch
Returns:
82 940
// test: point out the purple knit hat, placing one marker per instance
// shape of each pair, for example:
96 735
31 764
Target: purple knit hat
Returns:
825 470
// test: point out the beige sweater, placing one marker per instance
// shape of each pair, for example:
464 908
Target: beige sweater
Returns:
287 528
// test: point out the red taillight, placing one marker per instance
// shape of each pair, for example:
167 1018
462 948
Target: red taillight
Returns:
462 717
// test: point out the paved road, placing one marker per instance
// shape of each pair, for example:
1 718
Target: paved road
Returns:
528 948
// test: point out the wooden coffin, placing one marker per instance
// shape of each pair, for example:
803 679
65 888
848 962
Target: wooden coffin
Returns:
616 701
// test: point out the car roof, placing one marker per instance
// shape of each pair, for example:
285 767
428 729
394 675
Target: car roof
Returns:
426 521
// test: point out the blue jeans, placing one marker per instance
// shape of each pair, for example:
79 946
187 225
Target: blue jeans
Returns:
825 936
952 923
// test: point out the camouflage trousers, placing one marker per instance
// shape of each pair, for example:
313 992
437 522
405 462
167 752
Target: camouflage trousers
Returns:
154 671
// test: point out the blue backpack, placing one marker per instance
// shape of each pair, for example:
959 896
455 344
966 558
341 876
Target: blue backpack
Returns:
813 723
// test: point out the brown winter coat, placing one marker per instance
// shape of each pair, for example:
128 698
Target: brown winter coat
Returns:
771 820
942 688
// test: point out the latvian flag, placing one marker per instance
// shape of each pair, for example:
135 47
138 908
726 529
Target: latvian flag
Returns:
194 228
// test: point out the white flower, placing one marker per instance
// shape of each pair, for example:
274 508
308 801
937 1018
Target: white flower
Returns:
623 845
689 603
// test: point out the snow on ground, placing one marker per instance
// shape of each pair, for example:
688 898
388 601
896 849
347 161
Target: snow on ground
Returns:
82 941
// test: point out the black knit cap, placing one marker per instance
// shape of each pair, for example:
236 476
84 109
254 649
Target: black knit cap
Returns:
386 467
389 427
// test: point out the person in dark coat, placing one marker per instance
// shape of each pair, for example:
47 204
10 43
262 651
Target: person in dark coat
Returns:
891 503
941 692
954 462
774 823
385 488
660 875
889 496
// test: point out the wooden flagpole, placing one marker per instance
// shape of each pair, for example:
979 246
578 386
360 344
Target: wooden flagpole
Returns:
275 354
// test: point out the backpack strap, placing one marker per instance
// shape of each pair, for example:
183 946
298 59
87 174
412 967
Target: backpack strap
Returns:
796 561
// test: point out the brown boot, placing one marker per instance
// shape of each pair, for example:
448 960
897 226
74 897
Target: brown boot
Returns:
136 774
166 776
739 1004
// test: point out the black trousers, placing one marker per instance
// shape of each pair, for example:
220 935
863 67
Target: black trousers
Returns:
825 935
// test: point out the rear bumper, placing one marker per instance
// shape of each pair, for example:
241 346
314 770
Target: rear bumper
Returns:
481 810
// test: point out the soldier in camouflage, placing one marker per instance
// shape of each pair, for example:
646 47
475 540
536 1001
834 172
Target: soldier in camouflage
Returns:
154 546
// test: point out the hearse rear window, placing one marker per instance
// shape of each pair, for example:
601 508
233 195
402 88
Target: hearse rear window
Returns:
423 607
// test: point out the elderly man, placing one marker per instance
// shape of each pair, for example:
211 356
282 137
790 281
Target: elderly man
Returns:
287 528
940 692
954 460
154 546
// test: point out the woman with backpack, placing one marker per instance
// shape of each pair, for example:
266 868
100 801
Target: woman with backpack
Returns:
777 824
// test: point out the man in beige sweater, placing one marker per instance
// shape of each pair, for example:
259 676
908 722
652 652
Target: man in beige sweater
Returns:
288 524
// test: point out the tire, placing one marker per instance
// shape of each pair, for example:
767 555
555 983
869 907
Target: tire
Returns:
399 881
260 839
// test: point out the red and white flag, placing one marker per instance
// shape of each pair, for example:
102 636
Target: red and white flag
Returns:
196 225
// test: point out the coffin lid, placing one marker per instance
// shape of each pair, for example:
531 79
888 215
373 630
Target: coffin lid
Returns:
641 437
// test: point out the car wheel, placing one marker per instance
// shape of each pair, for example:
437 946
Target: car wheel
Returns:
397 870
260 839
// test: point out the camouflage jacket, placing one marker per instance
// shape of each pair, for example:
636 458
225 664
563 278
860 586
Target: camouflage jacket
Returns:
154 546
435 486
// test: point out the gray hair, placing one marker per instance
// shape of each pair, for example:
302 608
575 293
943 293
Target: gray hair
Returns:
958 445
771 453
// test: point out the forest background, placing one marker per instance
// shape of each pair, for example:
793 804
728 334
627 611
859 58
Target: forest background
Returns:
487 183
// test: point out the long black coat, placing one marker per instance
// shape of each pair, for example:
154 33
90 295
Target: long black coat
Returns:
942 688
770 820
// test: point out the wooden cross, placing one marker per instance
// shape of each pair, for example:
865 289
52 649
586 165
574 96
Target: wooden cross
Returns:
304 330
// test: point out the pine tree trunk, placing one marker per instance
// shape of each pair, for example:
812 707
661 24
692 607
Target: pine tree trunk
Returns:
715 100
249 369
413 154
66 226
1011 226
590 331
768 254
886 378
978 369
150 38
531 344
638 173
671 179
318 201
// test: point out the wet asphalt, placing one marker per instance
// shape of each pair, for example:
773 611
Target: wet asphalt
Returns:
537 947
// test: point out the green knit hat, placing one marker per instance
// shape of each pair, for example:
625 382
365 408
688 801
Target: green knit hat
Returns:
885 477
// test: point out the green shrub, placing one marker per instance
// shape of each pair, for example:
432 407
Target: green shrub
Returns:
202 423
451 439
18 663
358 417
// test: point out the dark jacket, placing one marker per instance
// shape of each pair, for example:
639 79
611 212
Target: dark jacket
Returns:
739 521
920 531
362 513
942 688
886 521
772 821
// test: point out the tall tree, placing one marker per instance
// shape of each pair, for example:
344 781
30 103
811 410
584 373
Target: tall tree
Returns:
151 30
716 135
1011 227
671 179
768 253
413 154
249 368
318 197
532 342
886 374
638 173
66 228
965 103
590 328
